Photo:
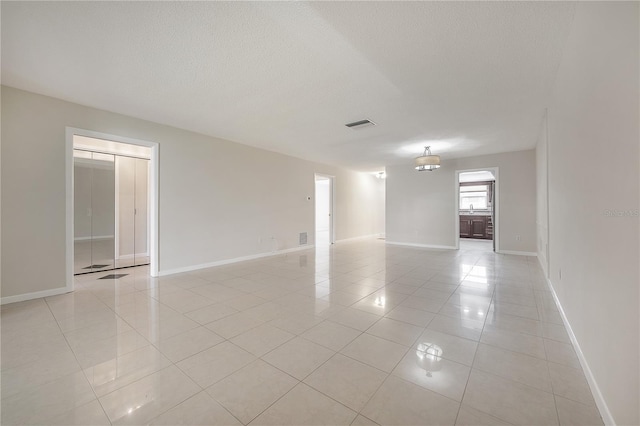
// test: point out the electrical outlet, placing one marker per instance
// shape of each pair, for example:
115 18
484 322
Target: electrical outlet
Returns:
518 238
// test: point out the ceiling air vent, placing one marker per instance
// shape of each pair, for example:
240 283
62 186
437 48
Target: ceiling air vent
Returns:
360 124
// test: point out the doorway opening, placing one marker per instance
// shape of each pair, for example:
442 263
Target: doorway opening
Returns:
477 209
323 210
111 203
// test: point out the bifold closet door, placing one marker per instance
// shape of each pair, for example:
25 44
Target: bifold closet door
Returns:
125 210
141 212
94 208
132 211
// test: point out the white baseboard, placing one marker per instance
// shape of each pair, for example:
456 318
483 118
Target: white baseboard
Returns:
519 253
132 256
234 260
361 237
97 237
34 295
606 415
430 246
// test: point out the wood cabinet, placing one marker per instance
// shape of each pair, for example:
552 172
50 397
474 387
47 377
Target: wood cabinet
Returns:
476 226
465 227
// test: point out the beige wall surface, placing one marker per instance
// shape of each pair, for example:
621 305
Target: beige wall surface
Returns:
594 185
218 200
421 205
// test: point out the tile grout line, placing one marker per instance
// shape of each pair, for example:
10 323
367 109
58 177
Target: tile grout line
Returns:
290 290
474 356
84 374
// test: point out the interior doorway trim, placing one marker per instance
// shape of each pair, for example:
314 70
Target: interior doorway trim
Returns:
153 195
332 199
496 205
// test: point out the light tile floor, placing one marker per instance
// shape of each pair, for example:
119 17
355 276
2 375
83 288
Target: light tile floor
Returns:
357 333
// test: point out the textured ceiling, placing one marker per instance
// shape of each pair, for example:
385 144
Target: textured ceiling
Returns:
466 78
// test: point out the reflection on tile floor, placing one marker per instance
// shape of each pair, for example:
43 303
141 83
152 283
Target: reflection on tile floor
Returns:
356 333
95 266
113 276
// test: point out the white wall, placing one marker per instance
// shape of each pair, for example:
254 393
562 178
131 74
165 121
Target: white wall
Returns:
421 205
593 160
357 200
542 206
218 199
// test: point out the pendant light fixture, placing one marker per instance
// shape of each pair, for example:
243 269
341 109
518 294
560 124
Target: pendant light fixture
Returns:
427 162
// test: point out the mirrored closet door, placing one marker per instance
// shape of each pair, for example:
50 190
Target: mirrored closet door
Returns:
94 208
111 200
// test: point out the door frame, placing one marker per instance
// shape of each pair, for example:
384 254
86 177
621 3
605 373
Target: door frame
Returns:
496 206
153 195
332 237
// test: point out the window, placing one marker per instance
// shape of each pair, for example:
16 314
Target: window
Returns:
475 195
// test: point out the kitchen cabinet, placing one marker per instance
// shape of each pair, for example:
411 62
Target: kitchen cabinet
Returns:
465 227
476 226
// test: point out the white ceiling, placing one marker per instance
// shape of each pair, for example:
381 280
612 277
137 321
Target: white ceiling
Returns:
467 78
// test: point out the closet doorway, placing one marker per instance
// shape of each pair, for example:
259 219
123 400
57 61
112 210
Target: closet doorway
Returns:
111 205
